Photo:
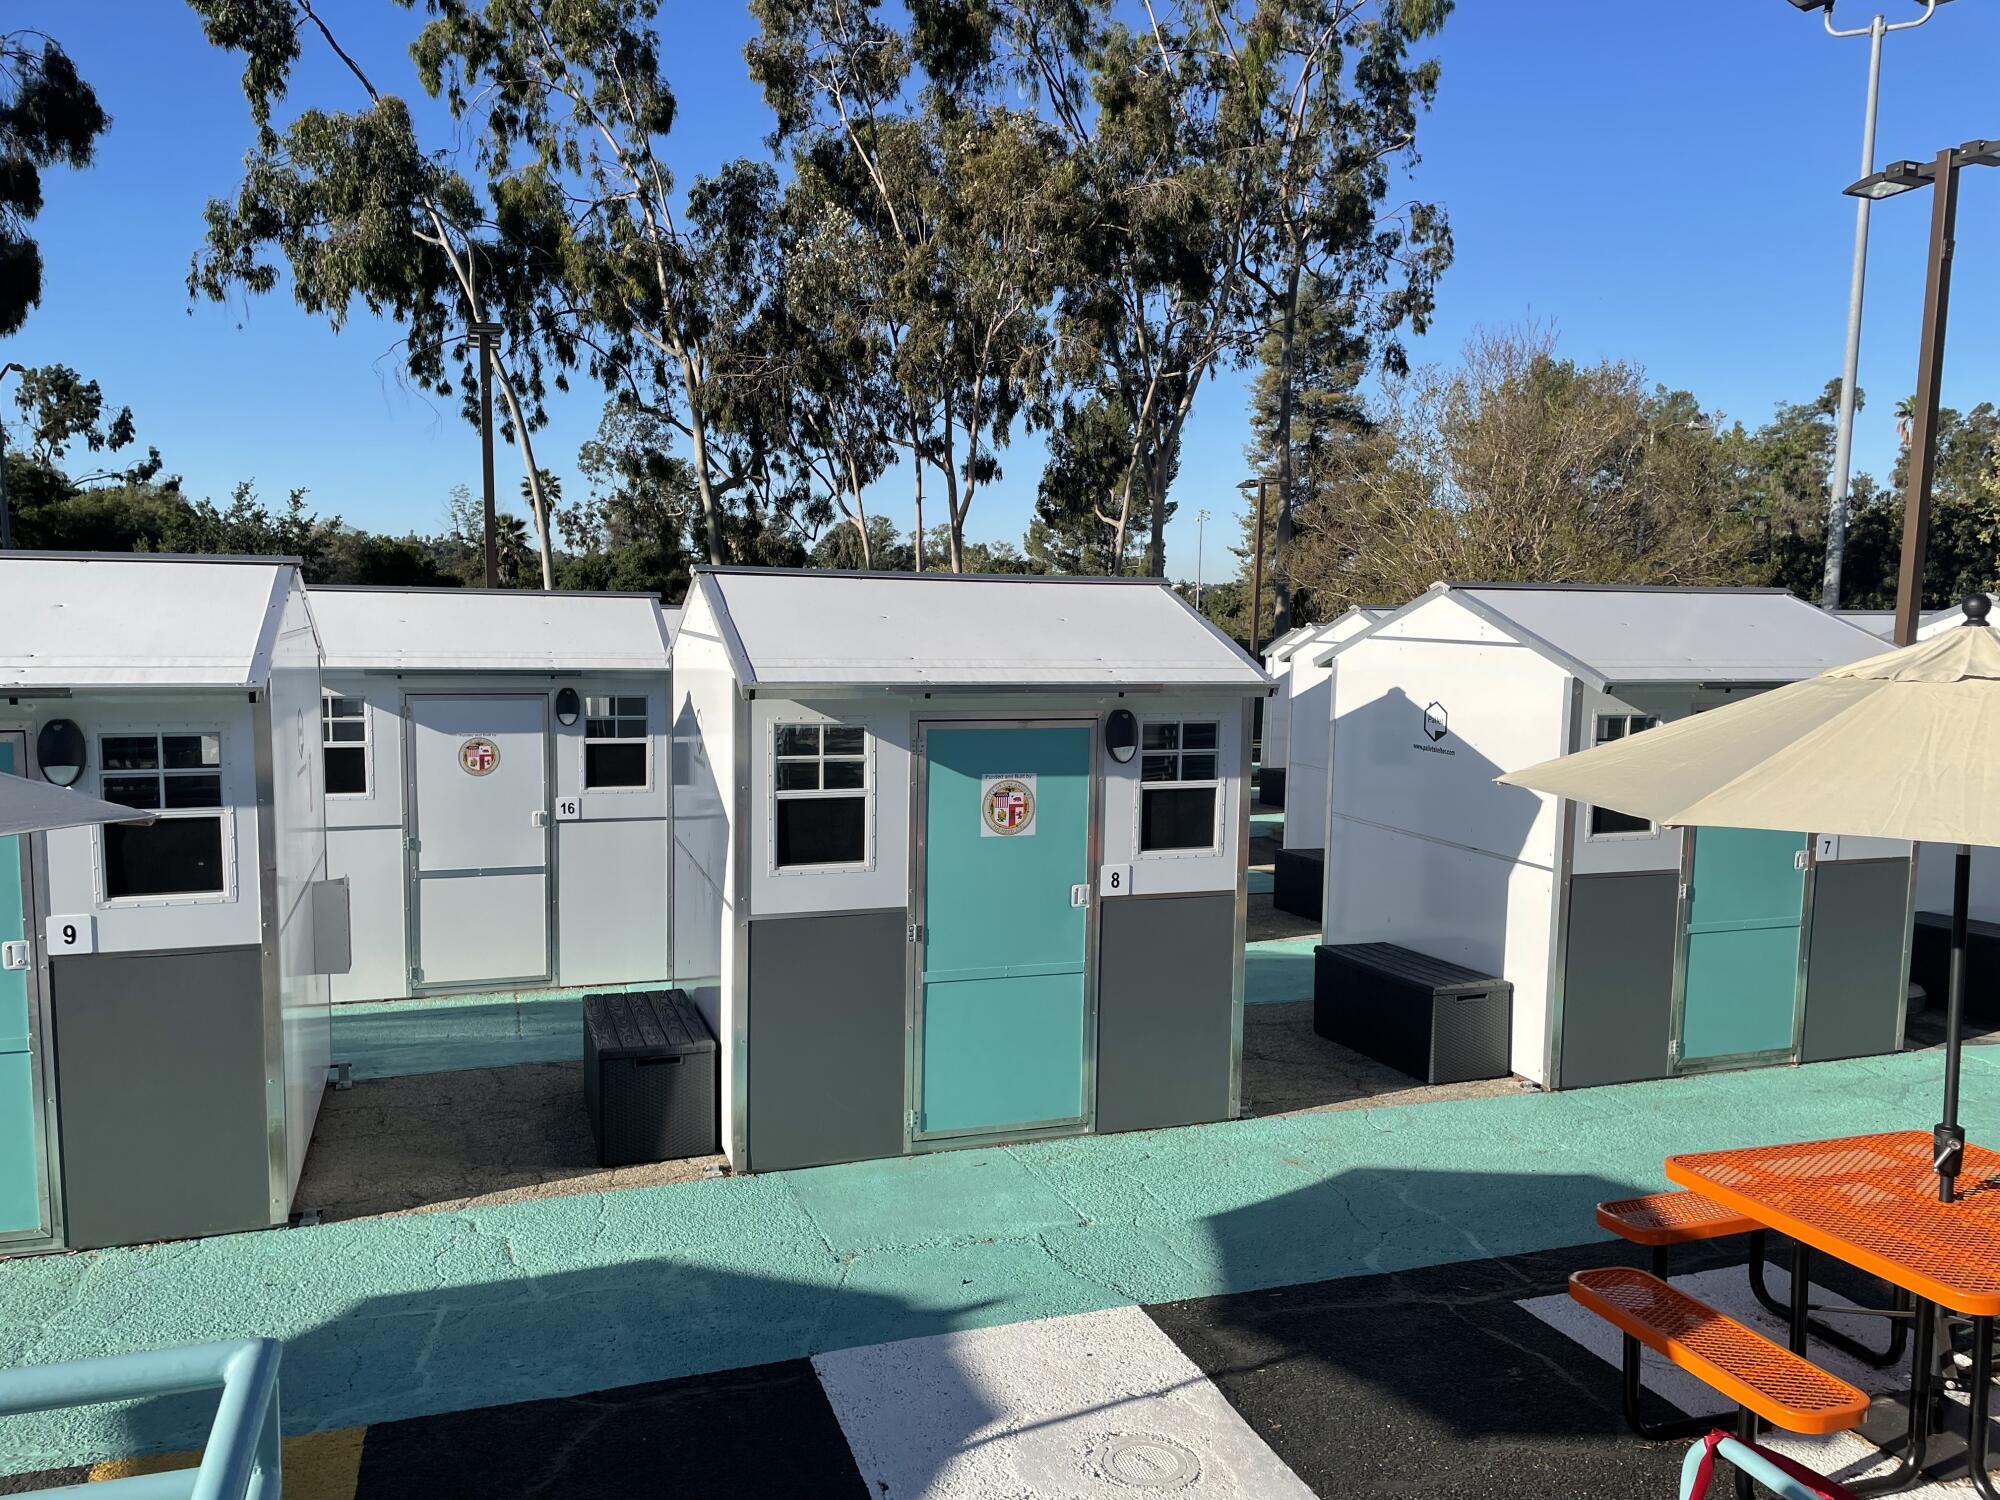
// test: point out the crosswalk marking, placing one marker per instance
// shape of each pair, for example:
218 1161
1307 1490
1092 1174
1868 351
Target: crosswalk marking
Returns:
1098 1406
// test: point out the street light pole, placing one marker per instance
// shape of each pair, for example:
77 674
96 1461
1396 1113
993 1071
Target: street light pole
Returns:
1843 442
1200 522
6 513
1930 383
1940 175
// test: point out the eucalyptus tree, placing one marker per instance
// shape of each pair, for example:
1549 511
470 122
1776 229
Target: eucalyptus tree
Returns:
49 116
959 195
1328 101
361 214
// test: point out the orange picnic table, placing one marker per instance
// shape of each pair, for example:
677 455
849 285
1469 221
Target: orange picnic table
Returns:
1872 1202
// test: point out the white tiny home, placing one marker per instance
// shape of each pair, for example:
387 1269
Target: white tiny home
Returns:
1274 744
1308 683
1633 951
498 786
183 963
958 859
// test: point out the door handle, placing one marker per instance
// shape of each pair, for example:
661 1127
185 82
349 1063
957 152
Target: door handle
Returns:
538 819
15 955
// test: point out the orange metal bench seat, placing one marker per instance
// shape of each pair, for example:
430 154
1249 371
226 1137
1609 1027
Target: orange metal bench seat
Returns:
1672 1218
1736 1360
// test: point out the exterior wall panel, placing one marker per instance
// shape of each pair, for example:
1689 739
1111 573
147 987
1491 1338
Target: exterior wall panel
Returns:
1165 1013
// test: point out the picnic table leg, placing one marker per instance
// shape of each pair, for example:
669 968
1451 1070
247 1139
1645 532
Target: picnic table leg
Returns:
1896 1314
1910 1462
1982 1401
1801 1290
1746 1431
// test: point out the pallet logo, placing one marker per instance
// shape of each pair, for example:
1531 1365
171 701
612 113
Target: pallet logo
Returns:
1437 724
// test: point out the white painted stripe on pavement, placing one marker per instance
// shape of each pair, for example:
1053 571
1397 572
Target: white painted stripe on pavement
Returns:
1841 1455
1099 1406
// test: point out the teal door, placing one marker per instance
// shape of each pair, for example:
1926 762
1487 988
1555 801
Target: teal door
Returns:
23 1200
1004 1003
1746 899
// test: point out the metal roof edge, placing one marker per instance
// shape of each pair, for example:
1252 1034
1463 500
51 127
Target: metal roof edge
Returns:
269 560
718 609
480 592
931 576
1216 630
781 689
1581 670
264 654
1615 588
1378 616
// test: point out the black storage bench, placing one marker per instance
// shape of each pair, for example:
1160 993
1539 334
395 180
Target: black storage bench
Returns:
648 1077
1434 1020
1298 882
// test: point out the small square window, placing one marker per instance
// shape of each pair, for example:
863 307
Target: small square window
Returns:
193 791
844 774
1199 736
344 738
617 747
1158 767
173 857
185 752
1177 817
798 776
1165 736
130 752
821 800
133 791
822 831
1198 767
843 739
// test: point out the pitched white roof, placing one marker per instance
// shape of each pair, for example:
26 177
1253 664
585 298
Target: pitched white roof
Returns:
1330 639
479 630
133 620
1282 649
802 630
1877 622
1616 635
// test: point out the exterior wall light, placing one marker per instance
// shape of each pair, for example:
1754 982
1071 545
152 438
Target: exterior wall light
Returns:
60 750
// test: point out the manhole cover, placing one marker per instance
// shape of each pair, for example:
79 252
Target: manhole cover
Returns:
1147 1462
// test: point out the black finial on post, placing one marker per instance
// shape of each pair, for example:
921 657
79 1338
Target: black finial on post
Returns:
1977 607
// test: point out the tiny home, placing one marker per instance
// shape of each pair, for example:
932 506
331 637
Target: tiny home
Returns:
164 1017
1634 951
498 787
1308 687
958 859
1274 744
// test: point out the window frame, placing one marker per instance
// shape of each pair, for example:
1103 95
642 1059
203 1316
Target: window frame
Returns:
865 793
644 740
224 813
366 745
1218 782
1591 835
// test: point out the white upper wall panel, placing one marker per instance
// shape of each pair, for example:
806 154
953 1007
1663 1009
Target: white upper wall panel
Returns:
136 621
474 630
805 630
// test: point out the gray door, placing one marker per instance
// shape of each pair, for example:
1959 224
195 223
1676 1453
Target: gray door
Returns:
479 830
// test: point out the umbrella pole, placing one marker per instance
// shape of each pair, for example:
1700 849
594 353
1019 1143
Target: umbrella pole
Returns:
1948 1140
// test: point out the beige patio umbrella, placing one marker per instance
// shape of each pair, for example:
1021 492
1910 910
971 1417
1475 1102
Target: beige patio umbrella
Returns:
1899 746
34 806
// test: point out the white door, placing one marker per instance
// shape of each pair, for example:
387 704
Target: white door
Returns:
479 831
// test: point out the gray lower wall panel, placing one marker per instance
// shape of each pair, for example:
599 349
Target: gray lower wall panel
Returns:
1855 981
1166 969
160 1095
827 1039
1618 978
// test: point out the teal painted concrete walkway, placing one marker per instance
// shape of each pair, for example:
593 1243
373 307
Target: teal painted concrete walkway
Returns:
438 1312
1278 970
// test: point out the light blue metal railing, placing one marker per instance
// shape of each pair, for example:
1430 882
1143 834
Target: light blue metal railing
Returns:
241 1460
1750 1462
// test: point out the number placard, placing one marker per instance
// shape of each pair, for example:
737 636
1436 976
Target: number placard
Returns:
1114 880
569 809
67 935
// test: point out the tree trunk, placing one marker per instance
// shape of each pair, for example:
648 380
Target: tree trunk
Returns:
917 464
537 501
698 435
1281 542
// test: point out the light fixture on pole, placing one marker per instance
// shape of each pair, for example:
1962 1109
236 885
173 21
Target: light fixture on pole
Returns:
487 337
1897 178
1843 440
1257 565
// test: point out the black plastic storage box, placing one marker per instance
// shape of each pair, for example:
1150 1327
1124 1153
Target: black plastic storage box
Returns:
1434 1020
1298 882
648 1077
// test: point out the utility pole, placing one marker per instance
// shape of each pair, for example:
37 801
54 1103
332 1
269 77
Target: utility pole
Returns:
1200 521
1257 565
485 335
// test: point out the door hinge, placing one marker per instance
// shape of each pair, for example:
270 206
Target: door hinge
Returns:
916 932
1687 890
910 1121
411 843
416 974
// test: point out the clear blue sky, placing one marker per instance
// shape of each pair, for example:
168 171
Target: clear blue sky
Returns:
1658 181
